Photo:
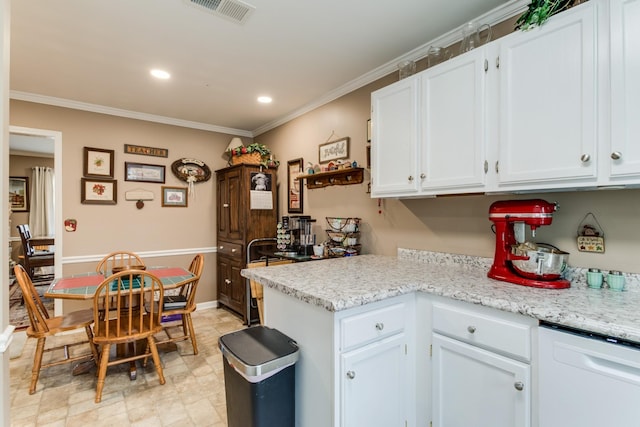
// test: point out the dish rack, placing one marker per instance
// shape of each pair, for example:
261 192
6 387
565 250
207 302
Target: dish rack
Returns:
343 236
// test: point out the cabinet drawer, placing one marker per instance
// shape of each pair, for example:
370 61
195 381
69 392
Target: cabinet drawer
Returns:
372 325
496 333
230 249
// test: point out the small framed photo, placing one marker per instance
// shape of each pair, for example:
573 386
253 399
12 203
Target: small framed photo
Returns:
294 186
98 191
174 197
97 163
334 150
142 172
19 193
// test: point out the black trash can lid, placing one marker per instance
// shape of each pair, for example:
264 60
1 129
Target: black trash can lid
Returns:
258 350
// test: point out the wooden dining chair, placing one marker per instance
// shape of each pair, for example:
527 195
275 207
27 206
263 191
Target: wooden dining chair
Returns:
118 259
120 318
42 325
32 258
186 294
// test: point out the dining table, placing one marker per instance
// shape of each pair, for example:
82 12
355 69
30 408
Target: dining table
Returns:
82 286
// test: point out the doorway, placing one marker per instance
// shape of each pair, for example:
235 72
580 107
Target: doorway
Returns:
43 143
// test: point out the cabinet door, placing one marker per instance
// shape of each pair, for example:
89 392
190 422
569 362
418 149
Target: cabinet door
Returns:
394 146
231 285
453 116
624 156
374 384
475 387
230 220
548 126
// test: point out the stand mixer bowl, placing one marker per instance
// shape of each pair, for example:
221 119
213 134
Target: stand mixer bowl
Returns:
538 261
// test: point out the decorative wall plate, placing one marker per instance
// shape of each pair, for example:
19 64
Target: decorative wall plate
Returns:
191 170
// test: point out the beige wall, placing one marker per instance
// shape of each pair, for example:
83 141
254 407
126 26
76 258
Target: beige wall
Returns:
105 228
455 224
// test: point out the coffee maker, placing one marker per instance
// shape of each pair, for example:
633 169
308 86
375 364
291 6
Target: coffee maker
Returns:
510 218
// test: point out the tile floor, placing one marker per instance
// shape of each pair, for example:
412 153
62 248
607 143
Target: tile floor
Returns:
193 395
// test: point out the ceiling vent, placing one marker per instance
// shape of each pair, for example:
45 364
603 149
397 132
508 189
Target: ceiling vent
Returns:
233 10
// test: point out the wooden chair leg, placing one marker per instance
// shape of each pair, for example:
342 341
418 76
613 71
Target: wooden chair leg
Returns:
156 359
192 333
37 364
94 348
102 371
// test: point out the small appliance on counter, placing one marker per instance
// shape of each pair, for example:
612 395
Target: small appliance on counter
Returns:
521 262
297 235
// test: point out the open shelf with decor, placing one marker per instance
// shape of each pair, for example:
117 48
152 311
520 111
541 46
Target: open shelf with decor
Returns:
346 176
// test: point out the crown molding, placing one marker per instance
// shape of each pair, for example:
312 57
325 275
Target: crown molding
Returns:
94 108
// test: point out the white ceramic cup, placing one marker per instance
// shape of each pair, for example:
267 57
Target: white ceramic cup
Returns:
318 250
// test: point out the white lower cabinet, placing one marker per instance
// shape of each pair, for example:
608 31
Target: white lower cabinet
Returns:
481 367
475 387
373 384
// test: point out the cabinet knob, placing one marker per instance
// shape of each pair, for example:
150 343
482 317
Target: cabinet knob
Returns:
422 176
233 250
227 281
616 155
585 158
519 385
225 205
471 329
410 178
379 326
351 375
221 247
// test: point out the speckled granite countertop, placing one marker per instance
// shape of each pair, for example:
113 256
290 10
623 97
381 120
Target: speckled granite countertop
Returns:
342 283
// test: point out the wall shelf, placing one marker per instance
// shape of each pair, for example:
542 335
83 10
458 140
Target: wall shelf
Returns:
347 176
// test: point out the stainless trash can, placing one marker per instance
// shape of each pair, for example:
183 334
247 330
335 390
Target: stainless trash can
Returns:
259 375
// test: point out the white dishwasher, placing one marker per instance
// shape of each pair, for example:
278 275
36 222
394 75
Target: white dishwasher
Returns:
587 380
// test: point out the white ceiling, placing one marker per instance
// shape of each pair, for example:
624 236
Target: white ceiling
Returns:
297 51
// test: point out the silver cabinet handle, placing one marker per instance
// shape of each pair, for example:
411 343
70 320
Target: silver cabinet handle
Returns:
410 178
585 158
351 375
379 326
221 247
471 329
233 250
225 205
422 176
519 385
227 281
616 155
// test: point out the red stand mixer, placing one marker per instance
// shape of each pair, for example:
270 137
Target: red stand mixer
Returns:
510 263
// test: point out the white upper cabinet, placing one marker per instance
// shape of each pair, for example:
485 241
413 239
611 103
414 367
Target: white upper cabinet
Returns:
622 158
394 148
548 104
453 140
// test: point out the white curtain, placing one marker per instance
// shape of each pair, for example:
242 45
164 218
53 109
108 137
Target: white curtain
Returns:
41 216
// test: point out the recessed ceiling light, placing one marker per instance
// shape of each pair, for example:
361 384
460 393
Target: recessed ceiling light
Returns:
264 99
160 74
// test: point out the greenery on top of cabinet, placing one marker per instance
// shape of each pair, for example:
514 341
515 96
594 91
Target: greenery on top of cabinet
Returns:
541 10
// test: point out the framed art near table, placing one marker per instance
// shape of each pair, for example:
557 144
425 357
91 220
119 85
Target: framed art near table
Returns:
174 197
97 163
19 193
334 150
98 191
142 172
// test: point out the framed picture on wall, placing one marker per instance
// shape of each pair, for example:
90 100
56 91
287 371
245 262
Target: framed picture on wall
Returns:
294 186
19 193
98 191
97 163
174 197
334 150
143 172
